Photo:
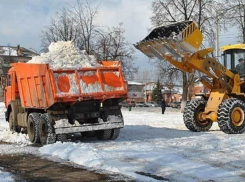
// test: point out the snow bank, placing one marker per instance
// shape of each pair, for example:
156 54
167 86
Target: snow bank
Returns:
156 147
65 55
6 135
6 176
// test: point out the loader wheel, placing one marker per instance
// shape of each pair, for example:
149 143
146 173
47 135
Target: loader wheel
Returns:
12 125
115 133
231 115
104 134
33 127
192 119
46 131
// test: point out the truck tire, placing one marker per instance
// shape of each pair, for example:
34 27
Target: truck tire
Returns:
104 134
231 116
115 133
33 127
88 134
191 116
61 137
12 124
46 131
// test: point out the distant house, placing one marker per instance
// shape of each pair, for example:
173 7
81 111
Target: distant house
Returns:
10 54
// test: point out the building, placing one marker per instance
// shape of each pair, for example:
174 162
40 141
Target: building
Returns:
8 55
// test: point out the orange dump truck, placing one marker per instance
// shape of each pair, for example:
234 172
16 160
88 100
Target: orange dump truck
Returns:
49 104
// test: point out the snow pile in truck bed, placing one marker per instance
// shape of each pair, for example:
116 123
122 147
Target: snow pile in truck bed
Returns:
64 55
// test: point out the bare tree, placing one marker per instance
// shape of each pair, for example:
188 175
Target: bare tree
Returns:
236 15
112 45
84 15
62 28
77 23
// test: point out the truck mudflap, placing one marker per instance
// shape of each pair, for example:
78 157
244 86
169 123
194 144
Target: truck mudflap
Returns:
88 127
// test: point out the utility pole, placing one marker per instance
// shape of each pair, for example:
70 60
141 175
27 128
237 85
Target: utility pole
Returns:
244 23
217 35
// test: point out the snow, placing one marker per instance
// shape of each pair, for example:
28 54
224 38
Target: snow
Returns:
64 55
5 176
151 147
135 83
158 145
9 51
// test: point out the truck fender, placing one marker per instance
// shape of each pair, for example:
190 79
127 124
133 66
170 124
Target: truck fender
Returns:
12 107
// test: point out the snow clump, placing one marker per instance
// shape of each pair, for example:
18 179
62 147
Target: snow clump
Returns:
64 55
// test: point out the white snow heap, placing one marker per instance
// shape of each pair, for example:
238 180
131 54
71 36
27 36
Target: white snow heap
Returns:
64 55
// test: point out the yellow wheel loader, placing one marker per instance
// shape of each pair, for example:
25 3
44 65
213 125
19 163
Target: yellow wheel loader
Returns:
179 44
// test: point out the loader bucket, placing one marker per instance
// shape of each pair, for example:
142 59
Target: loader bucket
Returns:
174 40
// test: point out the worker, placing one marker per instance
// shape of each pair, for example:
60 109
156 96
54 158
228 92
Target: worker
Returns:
240 68
163 105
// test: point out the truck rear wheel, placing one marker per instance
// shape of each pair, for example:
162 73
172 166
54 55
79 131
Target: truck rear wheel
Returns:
104 134
231 116
61 137
46 131
12 124
192 118
33 127
115 133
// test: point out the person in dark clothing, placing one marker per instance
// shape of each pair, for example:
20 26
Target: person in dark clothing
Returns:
163 105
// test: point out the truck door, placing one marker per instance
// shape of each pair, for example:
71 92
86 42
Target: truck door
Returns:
8 90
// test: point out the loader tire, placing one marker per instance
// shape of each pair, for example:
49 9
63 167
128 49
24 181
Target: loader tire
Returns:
33 127
191 116
115 133
231 115
12 124
46 130
104 134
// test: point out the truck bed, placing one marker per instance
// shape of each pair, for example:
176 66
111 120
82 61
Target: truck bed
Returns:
41 87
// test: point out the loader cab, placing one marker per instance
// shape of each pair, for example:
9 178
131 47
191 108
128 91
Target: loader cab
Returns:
231 54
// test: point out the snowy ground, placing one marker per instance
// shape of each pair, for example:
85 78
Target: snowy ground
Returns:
151 147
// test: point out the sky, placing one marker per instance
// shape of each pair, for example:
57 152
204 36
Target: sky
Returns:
21 22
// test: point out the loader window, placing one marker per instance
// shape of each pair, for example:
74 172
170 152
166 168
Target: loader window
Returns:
232 56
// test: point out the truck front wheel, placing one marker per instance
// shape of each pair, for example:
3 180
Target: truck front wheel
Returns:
12 124
32 127
104 134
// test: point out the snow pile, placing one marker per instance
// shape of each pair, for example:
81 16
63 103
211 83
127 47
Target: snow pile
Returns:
12 137
8 136
6 176
64 55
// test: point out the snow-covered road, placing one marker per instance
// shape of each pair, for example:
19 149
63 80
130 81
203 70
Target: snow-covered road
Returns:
152 147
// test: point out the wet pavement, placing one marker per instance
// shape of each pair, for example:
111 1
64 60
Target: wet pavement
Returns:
31 168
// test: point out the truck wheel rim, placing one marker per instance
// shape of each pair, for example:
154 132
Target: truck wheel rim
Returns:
43 132
237 116
199 117
31 130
